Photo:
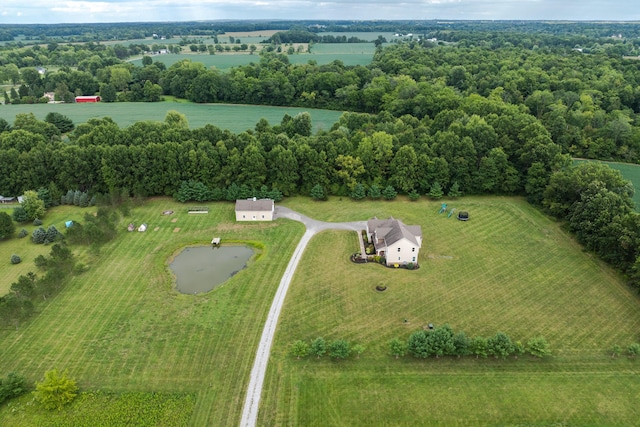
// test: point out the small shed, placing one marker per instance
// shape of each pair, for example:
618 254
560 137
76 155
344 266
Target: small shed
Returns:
255 210
4 199
91 98
68 224
143 227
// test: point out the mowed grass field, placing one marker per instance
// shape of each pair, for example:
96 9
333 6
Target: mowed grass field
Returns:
508 269
630 171
236 118
121 326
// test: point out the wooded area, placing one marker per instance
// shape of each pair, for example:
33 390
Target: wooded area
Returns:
483 109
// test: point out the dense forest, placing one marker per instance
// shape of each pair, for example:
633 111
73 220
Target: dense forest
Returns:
463 111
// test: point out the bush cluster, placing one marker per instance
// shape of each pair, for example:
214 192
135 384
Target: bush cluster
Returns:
337 349
443 341
77 198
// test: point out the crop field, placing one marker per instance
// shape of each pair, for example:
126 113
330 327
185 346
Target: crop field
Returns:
236 118
508 269
629 171
348 53
119 325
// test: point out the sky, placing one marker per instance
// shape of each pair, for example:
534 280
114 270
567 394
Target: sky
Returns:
87 11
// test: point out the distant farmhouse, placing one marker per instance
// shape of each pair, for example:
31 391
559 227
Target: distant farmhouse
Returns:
397 242
254 210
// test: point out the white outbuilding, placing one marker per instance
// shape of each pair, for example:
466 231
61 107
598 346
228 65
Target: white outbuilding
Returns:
254 210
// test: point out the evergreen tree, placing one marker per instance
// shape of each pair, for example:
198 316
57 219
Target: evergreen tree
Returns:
358 192
414 195
7 227
317 193
19 214
436 191
454 190
389 193
374 192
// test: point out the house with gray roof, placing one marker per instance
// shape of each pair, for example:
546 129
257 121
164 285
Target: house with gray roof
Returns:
397 242
254 210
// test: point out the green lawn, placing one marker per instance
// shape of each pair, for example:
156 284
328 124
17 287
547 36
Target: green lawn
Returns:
121 327
236 118
508 269
630 171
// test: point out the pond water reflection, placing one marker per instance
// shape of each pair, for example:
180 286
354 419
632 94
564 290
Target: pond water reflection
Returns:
202 268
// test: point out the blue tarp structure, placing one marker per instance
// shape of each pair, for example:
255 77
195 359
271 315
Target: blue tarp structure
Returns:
68 224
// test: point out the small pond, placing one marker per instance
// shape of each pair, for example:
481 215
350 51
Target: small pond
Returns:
202 268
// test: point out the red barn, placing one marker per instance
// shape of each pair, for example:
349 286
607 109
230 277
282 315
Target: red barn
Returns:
92 98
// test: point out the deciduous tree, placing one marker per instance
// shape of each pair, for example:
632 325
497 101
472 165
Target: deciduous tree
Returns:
56 390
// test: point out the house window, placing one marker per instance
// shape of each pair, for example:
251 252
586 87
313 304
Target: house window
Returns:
262 216
398 258
254 217
414 259
243 216
413 249
398 249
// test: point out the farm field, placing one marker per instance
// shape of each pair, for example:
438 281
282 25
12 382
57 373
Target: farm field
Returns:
348 53
629 171
236 118
120 327
508 269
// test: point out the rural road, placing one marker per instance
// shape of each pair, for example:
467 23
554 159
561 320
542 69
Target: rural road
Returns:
252 401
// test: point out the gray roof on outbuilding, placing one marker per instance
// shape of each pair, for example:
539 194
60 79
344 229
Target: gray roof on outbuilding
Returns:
254 205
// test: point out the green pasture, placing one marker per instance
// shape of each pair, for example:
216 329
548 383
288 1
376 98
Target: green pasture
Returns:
222 61
348 53
508 269
236 118
629 171
121 327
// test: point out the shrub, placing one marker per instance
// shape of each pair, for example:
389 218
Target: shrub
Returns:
12 386
410 266
414 195
299 349
538 347
633 349
37 222
39 235
56 391
53 235
23 233
15 259
339 349
19 214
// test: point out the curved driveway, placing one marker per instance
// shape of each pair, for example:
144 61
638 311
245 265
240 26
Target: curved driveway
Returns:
252 401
